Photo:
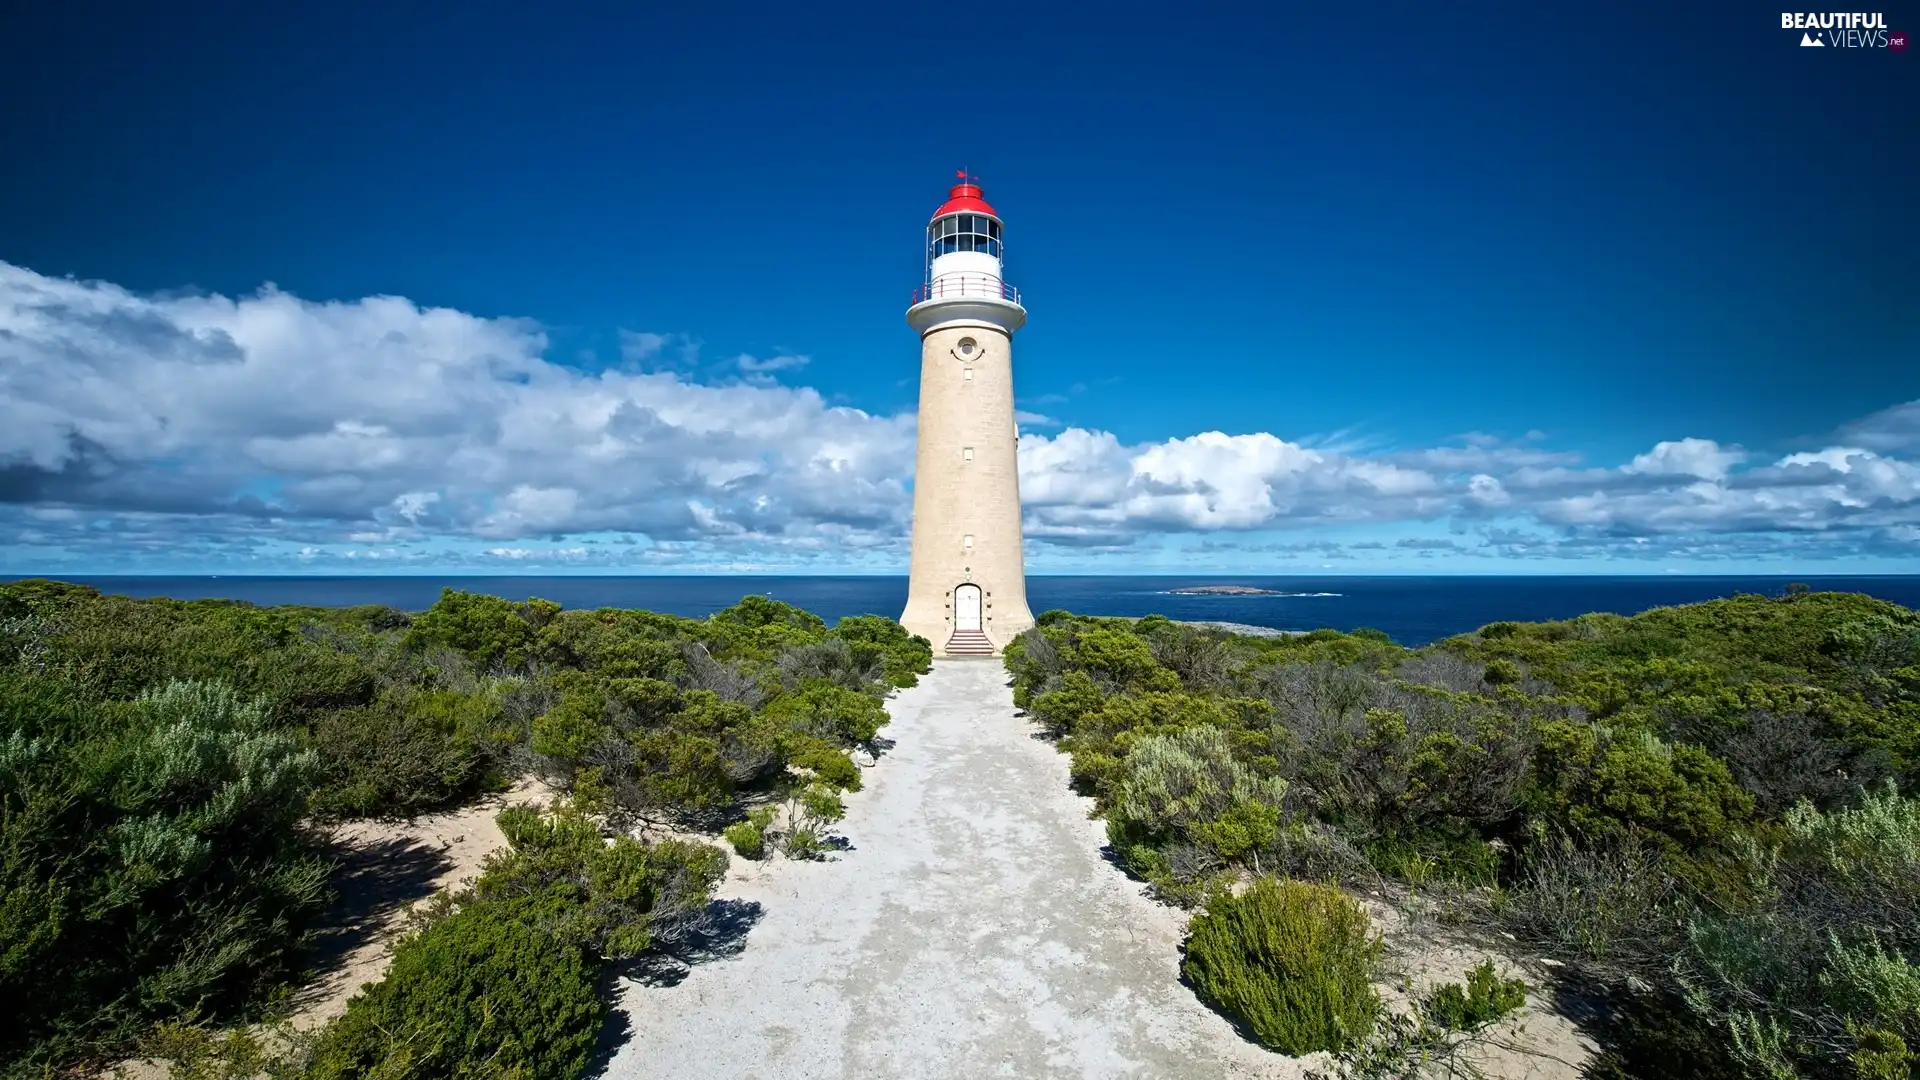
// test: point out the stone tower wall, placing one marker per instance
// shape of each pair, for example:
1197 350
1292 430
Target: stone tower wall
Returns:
954 497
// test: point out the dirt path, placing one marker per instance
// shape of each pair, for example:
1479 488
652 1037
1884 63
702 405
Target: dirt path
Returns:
972 930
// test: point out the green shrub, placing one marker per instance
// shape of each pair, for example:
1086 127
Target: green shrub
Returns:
1828 952
828 763
151 864
1604 784
1484 999
1062 705
408 753
489 630
1501 671
809 812
1294 962
1882 1055
749 837
1450 855
678 770
1187 788
499 981
569 729
904 657
199 1053
835 713
616 897
1117 657
482 993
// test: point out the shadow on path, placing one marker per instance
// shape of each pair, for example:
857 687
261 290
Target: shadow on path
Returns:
720 932
375 880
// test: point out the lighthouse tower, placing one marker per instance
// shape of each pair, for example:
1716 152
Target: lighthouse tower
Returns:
967 592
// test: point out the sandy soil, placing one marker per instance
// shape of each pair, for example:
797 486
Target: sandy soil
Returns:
1537 1043
972 928
386 868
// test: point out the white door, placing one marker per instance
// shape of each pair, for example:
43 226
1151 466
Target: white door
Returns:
966 608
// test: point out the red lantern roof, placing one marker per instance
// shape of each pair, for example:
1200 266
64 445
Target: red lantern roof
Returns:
965 198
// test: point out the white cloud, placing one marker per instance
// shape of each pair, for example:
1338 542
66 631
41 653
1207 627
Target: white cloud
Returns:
1484 490
300 431
756 365
1703 458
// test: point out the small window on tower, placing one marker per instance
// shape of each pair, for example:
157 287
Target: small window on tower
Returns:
966 453
967 542
969 374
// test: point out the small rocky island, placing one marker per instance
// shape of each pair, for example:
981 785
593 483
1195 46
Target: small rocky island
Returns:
1223 590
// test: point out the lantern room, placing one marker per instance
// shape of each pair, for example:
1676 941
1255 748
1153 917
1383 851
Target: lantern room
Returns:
964 249
963 232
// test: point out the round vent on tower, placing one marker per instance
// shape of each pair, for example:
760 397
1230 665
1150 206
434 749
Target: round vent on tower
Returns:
966 348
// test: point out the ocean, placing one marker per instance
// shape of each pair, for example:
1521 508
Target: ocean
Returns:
1412 610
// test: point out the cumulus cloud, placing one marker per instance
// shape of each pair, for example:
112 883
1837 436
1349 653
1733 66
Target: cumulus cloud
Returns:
1702 458
269 427
329 418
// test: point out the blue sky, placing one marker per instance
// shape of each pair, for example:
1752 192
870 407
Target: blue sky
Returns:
1445 280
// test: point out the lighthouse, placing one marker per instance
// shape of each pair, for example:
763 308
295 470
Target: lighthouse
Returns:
967 587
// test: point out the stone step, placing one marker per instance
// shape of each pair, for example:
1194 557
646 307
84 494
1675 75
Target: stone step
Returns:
968 643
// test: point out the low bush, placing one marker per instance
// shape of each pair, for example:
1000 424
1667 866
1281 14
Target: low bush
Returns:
829 711
827 762
1446 1035
1186 791
749 837
1292 961
410 752
1483 1000
1613 911
493 633
484 992
1823 965
903 657
619 895
151 864
809 812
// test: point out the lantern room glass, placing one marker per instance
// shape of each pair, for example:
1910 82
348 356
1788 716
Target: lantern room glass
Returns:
963 232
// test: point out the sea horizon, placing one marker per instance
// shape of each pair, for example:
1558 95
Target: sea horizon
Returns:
1413 609
469 574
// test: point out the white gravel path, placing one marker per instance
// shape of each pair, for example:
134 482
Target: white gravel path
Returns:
972 930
